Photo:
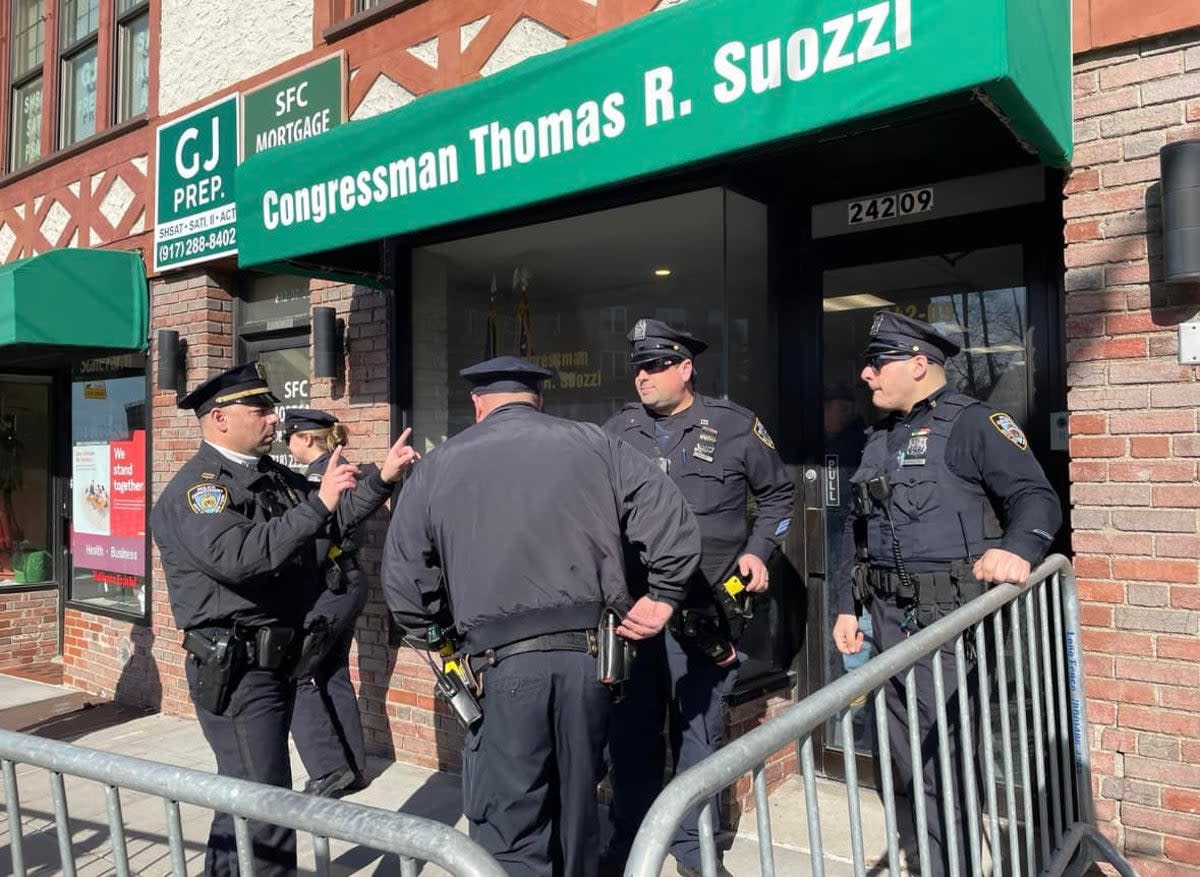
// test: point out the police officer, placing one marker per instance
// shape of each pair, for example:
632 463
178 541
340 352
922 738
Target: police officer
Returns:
720 455
950 500
326 724
511 533
237 534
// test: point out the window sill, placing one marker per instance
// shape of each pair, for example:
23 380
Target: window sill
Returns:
360 20
142 619
8 586
76 148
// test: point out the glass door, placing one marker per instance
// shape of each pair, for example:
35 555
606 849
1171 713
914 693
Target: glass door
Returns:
975 297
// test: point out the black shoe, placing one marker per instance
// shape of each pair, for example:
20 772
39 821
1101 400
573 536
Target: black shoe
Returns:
326 786
684 871
359 783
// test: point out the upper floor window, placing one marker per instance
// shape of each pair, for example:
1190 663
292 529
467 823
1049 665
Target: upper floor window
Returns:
92 69
364 5
27 62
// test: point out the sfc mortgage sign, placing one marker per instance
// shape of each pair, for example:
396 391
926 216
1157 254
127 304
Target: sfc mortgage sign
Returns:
196 158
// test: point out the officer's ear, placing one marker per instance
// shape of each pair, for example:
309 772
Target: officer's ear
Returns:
479 412
687 369
920 366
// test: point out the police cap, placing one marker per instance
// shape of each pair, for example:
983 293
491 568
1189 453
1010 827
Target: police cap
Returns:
505 374
654 339
897 336
245 383
303 419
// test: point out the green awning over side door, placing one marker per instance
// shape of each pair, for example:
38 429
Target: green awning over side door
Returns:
75 298
705 79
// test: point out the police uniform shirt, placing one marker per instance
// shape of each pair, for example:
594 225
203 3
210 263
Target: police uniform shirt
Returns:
719 454
985 447
237 542
512 529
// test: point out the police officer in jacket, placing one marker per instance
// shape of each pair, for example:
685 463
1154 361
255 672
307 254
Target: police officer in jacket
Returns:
237 534
511 533
326 724
949 500
720 456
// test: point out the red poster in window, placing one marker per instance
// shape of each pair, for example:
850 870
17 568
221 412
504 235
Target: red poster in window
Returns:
127 474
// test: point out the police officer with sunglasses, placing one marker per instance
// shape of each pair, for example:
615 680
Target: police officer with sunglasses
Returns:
948 500
721 457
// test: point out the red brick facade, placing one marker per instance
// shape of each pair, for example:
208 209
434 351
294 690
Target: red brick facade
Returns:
28 628
1134 450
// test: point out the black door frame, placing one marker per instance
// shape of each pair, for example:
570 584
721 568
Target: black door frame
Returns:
799 269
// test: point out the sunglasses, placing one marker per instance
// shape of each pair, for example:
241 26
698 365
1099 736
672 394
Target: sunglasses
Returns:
877 361
655 366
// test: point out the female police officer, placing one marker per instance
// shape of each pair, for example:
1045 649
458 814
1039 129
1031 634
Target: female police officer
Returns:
325 723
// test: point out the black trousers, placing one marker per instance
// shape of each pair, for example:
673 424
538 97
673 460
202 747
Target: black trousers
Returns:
669 680
888 619
249 740
326 723
530 768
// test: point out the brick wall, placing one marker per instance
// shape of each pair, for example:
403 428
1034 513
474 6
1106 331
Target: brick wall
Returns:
28 627
1134 450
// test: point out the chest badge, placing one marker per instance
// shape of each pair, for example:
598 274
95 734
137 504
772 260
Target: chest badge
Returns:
706 443
207 499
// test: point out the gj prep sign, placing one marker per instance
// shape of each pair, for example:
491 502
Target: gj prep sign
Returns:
196 157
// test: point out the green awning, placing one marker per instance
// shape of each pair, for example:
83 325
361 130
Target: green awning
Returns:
701 80
75 298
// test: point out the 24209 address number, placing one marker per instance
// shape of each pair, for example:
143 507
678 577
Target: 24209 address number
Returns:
891 206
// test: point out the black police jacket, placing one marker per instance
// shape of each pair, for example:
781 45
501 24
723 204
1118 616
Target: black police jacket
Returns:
720 455
963 480
512 529
239 543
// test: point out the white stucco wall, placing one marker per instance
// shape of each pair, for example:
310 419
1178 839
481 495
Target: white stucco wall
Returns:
209 45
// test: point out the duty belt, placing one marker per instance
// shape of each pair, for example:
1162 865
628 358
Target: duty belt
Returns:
888 581
569 641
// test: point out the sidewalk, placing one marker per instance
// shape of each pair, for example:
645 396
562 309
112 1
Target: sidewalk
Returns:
395 787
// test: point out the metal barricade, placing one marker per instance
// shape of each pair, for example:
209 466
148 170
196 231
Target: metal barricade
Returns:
1043 779
412 838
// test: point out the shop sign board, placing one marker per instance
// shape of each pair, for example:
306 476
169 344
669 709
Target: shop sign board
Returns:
705 79
196 157
303 104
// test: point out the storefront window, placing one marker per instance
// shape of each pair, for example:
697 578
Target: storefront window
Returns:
26 552
108 490
565 294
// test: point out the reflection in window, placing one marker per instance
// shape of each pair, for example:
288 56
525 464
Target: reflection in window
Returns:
108 492
26 57
26 552
133 59
489 295
78 55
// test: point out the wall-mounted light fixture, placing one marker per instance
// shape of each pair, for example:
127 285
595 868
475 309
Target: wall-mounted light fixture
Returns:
172 361
1180 164
328 343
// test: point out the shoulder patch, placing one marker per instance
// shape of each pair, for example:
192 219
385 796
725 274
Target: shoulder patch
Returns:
760 432
1008 428
207 499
